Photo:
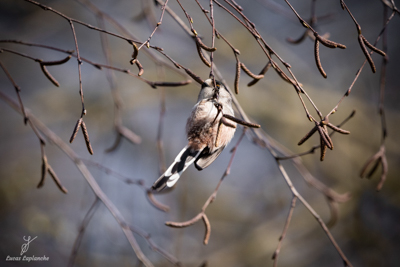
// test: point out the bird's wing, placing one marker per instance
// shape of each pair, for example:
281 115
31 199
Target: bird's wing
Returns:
206 158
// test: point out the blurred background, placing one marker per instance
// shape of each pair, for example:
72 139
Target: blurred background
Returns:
249 213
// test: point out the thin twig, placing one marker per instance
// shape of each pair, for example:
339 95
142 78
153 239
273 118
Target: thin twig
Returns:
275 256
55 139
202 215
82 229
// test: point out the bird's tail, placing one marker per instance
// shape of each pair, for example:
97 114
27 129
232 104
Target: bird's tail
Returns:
186 157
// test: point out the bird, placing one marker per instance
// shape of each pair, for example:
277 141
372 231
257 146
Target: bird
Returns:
208 133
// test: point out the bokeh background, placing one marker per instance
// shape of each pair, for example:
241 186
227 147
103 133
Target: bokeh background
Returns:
249 213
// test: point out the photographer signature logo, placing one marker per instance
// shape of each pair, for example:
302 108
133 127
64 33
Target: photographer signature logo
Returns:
25 246
24 249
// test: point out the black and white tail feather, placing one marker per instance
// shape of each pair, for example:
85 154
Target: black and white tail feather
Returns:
201 159
184 159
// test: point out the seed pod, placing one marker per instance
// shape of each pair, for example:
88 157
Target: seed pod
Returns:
307 136
318 60
329 43
366 53
76 129
48 75
140 67
248 72
202 45
56 180
262 72
202 57
86 136
237 76
373 48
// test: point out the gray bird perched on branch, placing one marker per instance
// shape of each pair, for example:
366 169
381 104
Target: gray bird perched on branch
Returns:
208 132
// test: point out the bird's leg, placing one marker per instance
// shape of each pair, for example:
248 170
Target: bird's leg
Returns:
219 108
218 134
